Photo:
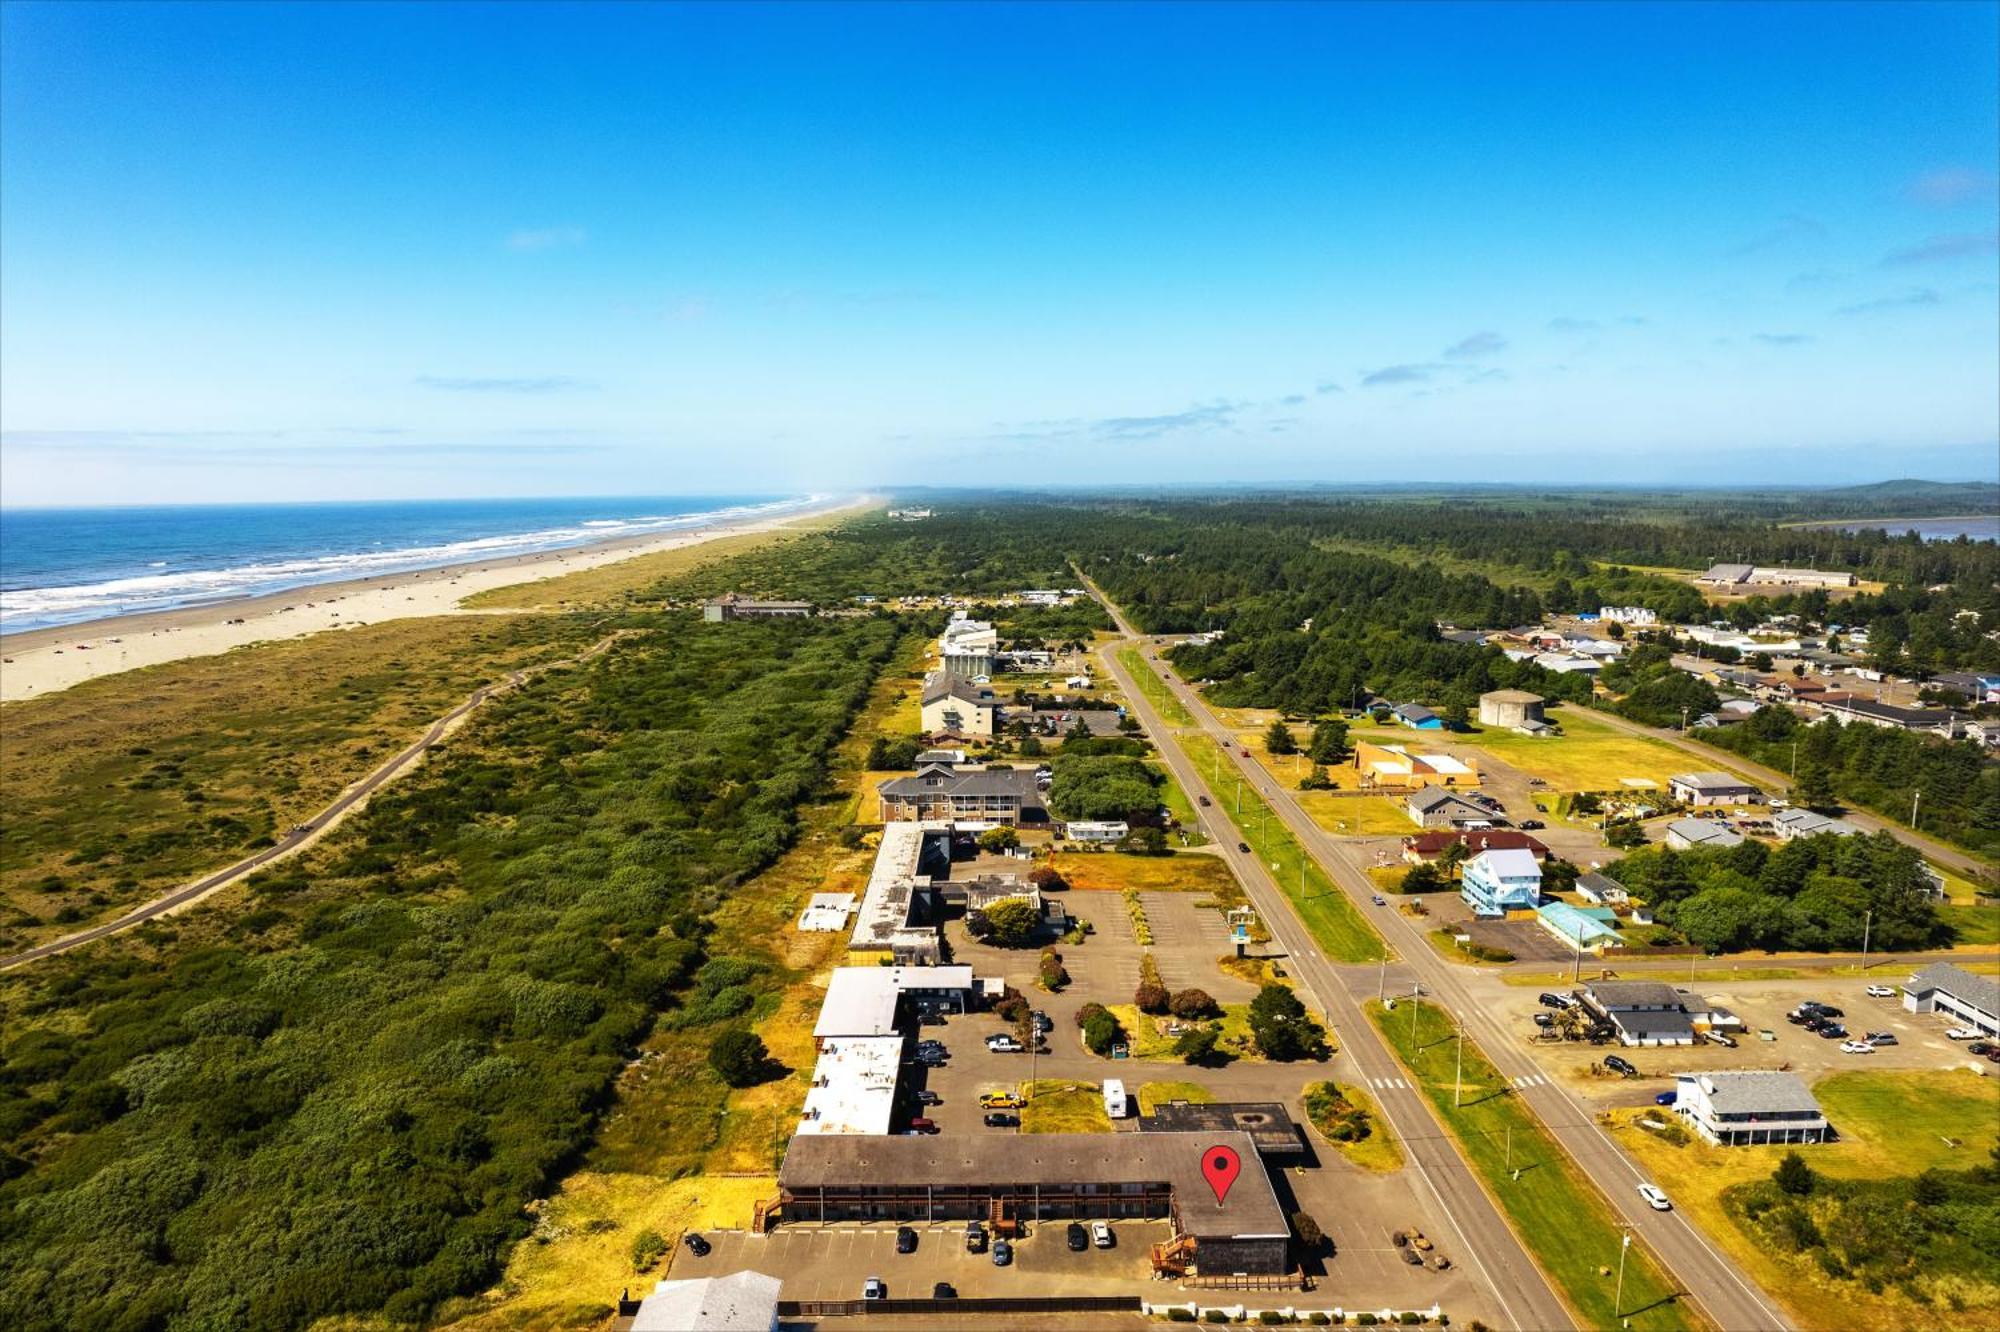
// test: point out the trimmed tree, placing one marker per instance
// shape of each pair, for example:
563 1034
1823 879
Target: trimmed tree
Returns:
1010 923
739 1057
1194 1004
1279 739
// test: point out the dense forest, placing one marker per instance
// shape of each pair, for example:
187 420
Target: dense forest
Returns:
1812 894
413 1033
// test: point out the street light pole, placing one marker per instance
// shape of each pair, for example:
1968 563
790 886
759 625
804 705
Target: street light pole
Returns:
1867 927
1618 1300
1458 1074
1915 796
1382 979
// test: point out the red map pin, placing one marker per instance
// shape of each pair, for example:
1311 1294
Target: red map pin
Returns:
1220 1166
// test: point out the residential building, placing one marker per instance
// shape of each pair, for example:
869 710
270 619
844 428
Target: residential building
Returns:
1601 890
899 913
961 795
1795 823
1846 708
1435 807
1417 717
1396 766
1976 688
1496 882
1735 1109
1643 1012
1097 832
1633 615
740 1302
954 705
1944 988
1424 847
951 758
1585 930
864 1002
1713 788
1049 1176
1688 834
731 606
1512 708
1568 663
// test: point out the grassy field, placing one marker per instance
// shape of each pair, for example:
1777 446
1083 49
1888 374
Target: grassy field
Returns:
1332 919
1891 1124
1171 709
1358 816
1557 1213
1153 1095
126 786
1149 1042
1177 803
1116 871
1064 1107
680 1150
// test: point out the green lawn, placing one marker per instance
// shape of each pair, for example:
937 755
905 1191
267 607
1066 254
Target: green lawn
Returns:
1333 920
1064 1107
1171 709
1153 1095
1378 1151
1149 1042
1177 802
1557 1213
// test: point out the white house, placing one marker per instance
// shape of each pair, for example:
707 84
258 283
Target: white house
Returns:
955 705
1713 788
1795 823
1688 834
1105 831
1637 615
740 1302
1749 1108
1496 882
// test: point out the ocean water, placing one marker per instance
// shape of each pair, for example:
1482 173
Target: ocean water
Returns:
67 566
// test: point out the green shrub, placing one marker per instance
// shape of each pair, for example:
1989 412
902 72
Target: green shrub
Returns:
648 1247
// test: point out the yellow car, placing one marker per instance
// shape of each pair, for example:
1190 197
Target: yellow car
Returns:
999 1101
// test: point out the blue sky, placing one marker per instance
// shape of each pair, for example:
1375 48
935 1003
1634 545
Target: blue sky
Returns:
363 251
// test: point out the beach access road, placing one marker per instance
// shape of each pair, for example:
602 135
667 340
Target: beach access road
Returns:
1705 1276
305 834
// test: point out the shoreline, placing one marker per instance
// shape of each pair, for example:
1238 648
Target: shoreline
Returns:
38 662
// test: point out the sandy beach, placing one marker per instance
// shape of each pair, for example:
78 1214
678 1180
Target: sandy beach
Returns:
44 661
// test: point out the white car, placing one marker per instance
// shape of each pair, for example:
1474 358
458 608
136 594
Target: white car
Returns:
1963 1034
1100 1235
1655 1199
1856 1047
1004 1045
1881 992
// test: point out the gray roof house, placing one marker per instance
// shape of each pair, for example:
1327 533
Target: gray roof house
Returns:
1435 807
1601 889
1689 834
1791 823
1750 1107
1644 1012
1941 987
978 795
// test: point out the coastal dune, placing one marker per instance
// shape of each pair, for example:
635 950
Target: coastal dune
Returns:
45 661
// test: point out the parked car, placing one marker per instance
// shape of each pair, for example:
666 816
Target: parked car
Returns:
1666 1098
1718 1038
1655 1198
1962 1034
1856 1047
1545 1019
1883 1038
944 1290
696 1245
1101 1236
1881 992
999 1100
874 1288
1798 1019
1993 1056
1003 1253
1828 1011
906 1240
922 1125
1205 800
1042 1021
1004 1045
929 1097
975 1237
1001 1119
1832 1031
1532 825
1620 1064
1076 1237
1549 999
1243 847
1410 1256
1980 1048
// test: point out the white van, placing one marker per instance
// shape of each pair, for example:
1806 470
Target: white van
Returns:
1114 1098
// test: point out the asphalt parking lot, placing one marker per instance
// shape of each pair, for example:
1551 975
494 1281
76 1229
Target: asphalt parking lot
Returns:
830 1262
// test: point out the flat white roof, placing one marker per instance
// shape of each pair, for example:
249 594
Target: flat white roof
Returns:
854 1086
861 1001
827 912
885 905
740 1302
1511 863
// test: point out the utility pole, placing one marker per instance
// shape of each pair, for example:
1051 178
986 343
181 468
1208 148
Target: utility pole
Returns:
1510 1149
1915 796
1795 758
1867 926
1382 979
1618 1300
1458 1074
1413 1012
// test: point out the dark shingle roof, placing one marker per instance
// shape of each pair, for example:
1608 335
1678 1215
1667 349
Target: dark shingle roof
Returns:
1982 992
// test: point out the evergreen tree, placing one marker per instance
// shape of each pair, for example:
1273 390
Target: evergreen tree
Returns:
1278 739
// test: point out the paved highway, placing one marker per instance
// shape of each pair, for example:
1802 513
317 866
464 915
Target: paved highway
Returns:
300 836
1518 1286
1728 1298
